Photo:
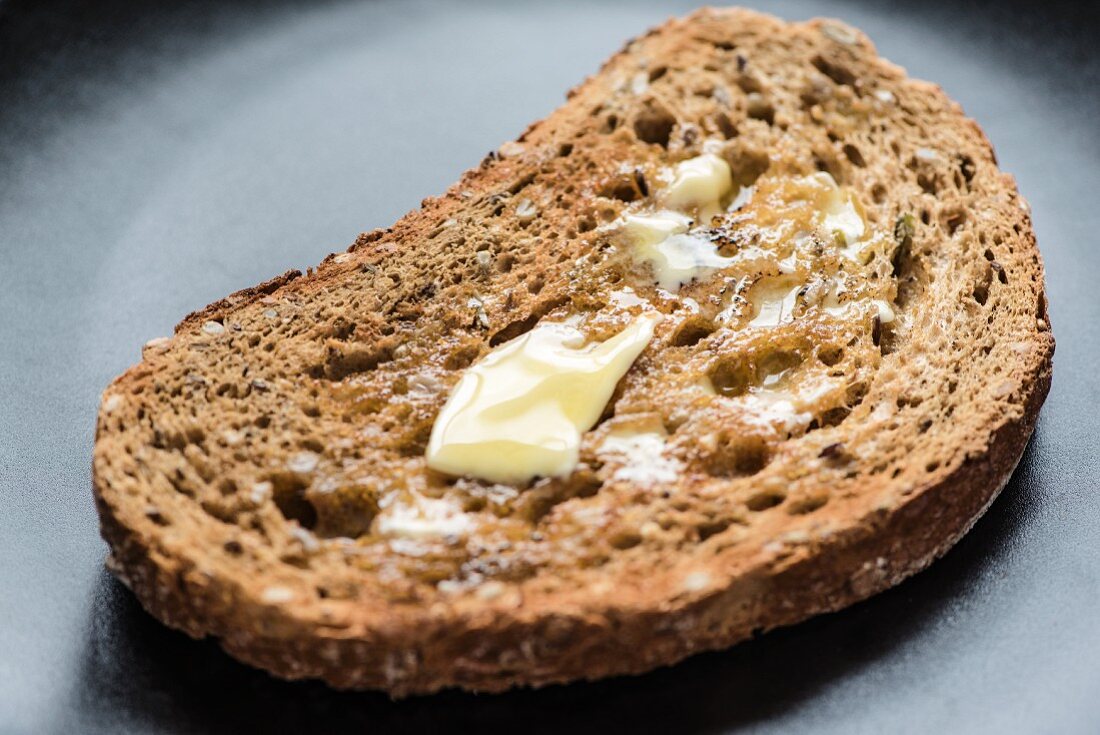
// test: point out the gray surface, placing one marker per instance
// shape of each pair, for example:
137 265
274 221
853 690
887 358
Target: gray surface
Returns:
152 161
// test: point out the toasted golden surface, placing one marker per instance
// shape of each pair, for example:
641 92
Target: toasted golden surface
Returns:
814 419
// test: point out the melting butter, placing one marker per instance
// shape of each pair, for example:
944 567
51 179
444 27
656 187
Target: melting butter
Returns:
700 184
519 412
645 230
423 517
774 303
675 255
814 202
642 455
665 240
789 407
883 309
838 211
776 403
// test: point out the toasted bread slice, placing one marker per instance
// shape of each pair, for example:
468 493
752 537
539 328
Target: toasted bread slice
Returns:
824 409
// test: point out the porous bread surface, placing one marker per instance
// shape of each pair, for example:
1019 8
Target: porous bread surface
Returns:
240 467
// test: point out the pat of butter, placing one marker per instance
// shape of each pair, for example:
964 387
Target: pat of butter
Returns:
700 184
519 412
676 256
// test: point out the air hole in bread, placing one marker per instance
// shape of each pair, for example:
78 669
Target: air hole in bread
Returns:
748 83
711 527
981 288
738 456
774 364
155 515
624 538
967 167
343 360
691 331
625 187
536 502
657 72
654 124
521 184
803 506
725 125
830 355
341 328
836 72
765 500
288 492
748 165
828 163
834 416
907 401
760 109
730 376
853 155
522 326
953 220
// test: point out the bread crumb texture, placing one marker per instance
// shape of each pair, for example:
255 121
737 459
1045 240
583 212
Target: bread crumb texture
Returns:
809 425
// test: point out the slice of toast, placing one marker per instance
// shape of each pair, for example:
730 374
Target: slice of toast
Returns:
821 410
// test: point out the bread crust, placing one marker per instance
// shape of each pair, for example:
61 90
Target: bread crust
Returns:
415 649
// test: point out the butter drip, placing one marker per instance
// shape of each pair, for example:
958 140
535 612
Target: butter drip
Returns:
519 412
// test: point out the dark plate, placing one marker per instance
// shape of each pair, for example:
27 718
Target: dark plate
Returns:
154 157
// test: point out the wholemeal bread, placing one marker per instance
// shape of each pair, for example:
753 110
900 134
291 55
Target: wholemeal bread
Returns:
828 420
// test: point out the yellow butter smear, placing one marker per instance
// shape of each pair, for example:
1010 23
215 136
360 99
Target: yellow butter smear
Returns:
519 412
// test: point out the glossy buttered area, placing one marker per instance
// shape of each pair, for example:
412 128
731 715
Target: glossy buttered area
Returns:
153 159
